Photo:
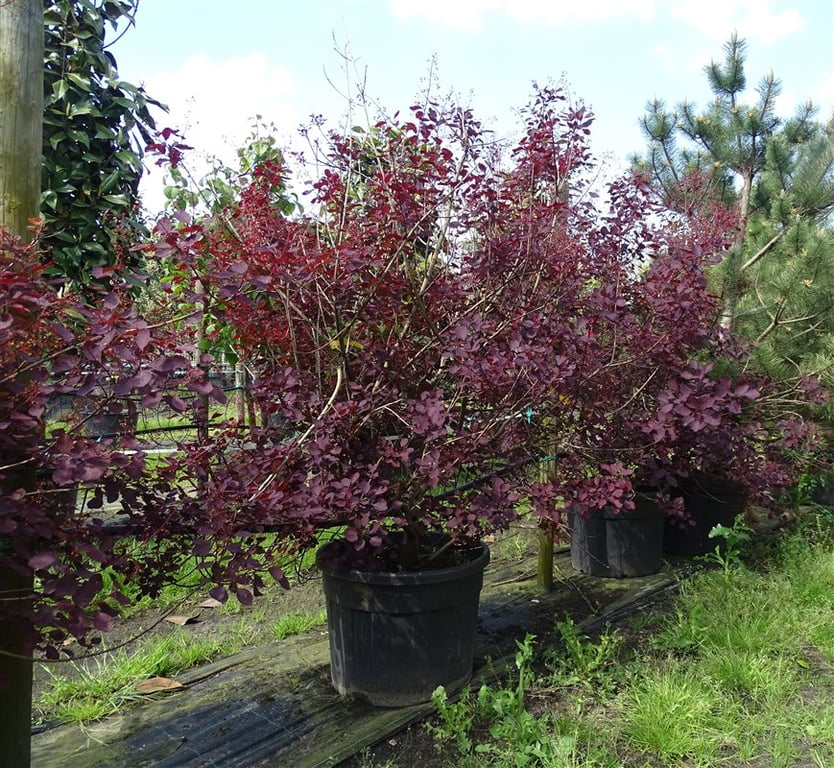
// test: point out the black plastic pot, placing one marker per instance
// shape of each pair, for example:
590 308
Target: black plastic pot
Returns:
111 419
708 501
627 543
394 637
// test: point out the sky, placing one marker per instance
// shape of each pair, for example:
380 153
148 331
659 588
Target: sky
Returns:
220 63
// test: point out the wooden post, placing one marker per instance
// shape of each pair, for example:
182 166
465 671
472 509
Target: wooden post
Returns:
21 112
240 396
547 470
21 131
16 587
545 569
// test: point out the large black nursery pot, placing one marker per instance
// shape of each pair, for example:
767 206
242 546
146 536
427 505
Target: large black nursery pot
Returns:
395 637
708 501
627 543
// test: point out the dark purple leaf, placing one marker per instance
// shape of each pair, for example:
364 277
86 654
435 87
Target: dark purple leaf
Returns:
42 560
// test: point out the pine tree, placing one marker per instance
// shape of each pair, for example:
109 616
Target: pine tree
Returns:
776 276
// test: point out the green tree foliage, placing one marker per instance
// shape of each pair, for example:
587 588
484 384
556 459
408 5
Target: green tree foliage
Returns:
95 129
210 201
218 189
776 175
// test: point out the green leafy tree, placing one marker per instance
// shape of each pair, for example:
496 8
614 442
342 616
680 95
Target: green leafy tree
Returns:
209 200
219 187
774 174
95 127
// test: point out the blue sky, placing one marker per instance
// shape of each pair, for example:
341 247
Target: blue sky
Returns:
218 63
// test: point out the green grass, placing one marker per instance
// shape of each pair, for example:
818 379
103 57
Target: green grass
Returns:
180 585
738 672
296 623
153 425
97 687
668 711
101 686
186 579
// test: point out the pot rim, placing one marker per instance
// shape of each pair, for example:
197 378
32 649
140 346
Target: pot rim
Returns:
428 576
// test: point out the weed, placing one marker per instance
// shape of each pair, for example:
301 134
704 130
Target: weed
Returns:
683 631
727 555
583 662
456 719
518 738
503 708
366 760
815 524
803 492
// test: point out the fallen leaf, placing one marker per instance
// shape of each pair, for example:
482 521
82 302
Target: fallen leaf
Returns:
181 621
209 602
156 684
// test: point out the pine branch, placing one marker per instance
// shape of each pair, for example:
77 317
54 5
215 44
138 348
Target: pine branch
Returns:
762 252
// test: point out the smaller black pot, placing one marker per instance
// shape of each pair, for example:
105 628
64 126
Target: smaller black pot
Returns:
708 501
111 419
627 543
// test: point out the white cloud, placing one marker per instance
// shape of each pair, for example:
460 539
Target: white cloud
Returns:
590 10
672 60
754 20
214 102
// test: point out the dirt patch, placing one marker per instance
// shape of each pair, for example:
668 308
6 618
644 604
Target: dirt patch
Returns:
411 747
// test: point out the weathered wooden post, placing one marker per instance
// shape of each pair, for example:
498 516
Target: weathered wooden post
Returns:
21 122
547 470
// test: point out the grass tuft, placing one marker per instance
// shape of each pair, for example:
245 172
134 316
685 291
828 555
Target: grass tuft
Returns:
297 622
100 686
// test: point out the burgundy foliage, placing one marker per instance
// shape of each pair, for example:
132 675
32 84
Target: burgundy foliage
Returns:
443 321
